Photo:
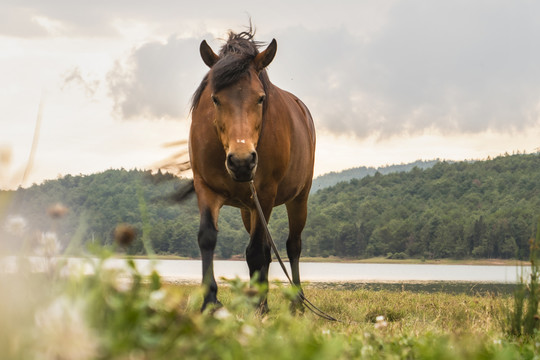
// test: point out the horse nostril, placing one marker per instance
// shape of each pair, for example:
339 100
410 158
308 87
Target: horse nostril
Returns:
253 161
230 161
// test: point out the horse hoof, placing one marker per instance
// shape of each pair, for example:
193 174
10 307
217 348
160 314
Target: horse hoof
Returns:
263 309
296 307
211 306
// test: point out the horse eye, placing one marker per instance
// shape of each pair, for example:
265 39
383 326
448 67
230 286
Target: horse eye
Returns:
261 99
215 100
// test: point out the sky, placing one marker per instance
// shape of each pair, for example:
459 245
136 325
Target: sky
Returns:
387 82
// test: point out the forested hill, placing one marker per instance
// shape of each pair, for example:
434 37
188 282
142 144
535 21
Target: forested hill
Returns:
483 209
98 203
332 178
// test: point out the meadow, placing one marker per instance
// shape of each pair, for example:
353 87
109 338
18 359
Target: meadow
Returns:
61 313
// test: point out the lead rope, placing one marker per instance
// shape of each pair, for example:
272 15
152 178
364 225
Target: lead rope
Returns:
270 240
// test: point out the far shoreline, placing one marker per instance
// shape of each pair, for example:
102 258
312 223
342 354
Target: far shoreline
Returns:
374 260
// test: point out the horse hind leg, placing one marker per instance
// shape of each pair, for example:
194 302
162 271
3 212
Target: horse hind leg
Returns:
297 214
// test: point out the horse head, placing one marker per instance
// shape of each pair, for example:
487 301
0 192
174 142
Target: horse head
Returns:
239 97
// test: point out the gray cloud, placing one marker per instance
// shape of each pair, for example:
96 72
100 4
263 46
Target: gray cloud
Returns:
363 69
20 18
453 67
463 67
98 18
459 66
75 77
157 79
79 18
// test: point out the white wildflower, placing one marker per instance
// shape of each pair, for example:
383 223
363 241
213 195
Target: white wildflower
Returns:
248 330
156 300
326 332
122 282
63 332
380 323
16 225
222 314
246 333
74 269
367 350
48 244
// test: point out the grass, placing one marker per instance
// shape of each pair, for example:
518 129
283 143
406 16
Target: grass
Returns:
68 313
118 314
405 312
413 325
523 318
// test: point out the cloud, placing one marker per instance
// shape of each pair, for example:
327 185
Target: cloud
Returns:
403 68
157 79
463 67
32 18
17 21
103 18
56 17
75 77
454 68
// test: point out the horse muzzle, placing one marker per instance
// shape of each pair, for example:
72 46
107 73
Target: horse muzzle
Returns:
242 167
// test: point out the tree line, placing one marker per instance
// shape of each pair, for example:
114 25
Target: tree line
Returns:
480 209
332 178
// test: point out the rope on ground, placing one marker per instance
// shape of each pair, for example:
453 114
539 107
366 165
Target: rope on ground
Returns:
308 304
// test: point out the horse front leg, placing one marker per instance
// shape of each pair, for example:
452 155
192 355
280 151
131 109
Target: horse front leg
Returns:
209 206
207 239
258 256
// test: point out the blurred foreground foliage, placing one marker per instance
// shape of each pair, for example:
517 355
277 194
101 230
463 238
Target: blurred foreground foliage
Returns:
523 319
88 309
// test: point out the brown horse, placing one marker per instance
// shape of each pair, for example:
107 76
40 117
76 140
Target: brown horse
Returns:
245 128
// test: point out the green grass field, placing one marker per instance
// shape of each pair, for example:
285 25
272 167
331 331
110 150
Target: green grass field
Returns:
62 312
385 324
115 314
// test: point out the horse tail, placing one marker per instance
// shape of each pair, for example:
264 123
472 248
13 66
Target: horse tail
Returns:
183 192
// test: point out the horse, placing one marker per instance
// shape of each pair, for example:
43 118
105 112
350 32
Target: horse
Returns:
243 129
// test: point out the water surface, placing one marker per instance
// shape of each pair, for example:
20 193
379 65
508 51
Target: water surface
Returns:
344 272
314 272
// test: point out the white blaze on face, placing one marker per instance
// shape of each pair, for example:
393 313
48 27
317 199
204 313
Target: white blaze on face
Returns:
240 141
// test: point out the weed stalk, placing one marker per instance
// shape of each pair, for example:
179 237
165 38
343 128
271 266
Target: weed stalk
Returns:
524 320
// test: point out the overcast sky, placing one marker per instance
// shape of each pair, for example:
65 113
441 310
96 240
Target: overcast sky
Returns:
386 81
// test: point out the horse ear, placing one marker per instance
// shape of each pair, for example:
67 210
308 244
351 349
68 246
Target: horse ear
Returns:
208 55
264 58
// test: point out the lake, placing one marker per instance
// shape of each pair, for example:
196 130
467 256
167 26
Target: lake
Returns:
411 277
470 279
190 270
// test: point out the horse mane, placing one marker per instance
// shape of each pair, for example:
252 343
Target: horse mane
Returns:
235 58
